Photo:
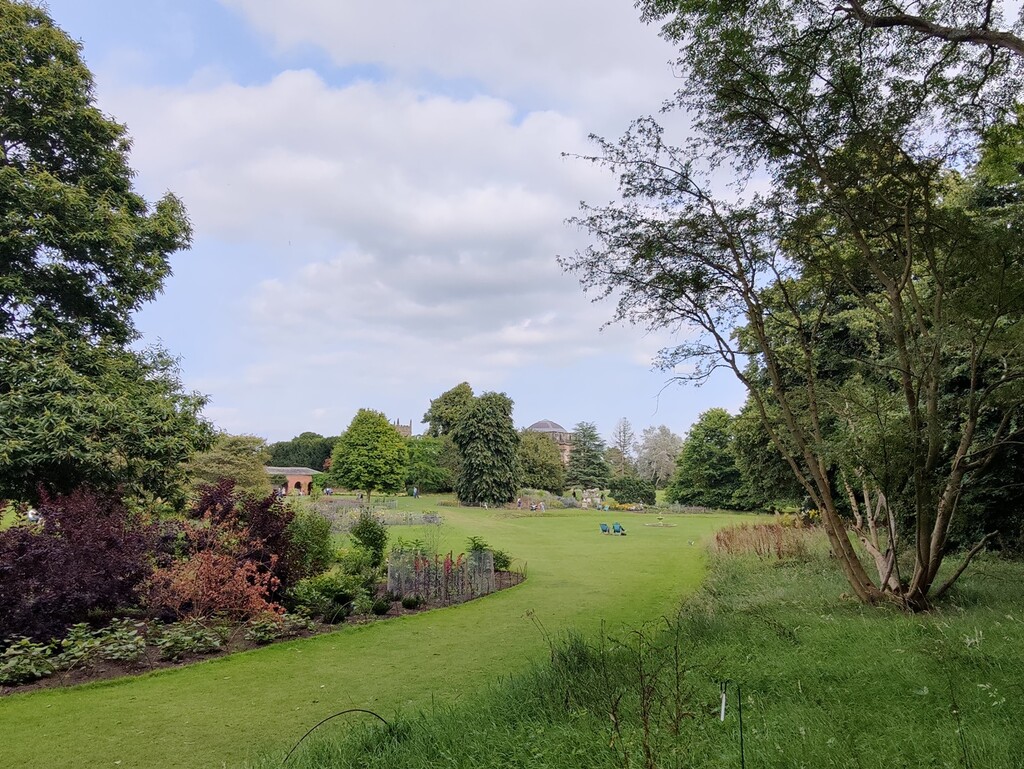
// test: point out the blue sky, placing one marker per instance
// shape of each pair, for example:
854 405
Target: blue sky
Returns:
379 194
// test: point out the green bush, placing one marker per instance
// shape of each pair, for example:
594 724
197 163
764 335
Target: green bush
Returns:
327 595
121 641
265 628
631 490
78 648
502 560
363 604
310 536
370 534
411 602
25 661
381 606
189 637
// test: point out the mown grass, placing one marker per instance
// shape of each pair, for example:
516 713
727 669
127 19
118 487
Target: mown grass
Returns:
825 683
220 712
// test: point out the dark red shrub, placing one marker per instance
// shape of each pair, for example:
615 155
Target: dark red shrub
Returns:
86 556
233 557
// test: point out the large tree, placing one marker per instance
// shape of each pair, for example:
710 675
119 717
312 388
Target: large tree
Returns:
370 456
80 250
77 413
304 450
240 459
488 445
587 465
447 409
624 444
870 277
429 465
656 455
541 462
706 472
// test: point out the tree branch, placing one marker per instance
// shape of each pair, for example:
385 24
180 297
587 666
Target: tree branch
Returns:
975 36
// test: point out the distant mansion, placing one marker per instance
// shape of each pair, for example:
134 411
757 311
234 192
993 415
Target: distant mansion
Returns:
557 433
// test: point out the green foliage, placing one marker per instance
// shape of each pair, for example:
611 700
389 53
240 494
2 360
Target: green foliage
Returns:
488 445
311 547
411 602
540 462
371 455
76 412
363 604
371 535
81 251
631 489
24 660
587 465
305 450
238 458
380 606
502 560
706 472
186 638
448 409
328 596
428 469
82 646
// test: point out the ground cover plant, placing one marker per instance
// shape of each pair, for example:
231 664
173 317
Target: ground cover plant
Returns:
217 711
824 682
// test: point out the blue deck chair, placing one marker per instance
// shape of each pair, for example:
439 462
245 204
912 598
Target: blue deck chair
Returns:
617 528
605 529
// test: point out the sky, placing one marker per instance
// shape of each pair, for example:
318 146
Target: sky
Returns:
379 192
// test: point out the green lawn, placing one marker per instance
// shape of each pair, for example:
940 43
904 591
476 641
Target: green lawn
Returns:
827 683
226 710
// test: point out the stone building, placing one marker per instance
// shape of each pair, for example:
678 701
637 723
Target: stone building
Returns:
404 430
557 433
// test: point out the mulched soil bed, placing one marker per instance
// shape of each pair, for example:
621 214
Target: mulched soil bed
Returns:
150 660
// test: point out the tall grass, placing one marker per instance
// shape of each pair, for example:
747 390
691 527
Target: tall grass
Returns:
825 682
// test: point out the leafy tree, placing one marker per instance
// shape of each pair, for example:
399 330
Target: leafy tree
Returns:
488 445
587 465
76 413
624 444
80 249
767 481
237 458
706 473
304 450
370 456
427 467
656 455
873 272
541 462
447 409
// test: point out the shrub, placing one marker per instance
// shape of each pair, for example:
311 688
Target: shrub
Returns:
86 556
210 584
24 661
327 595
631 490
381 606
311 549
363 604
182 638
411 602
502 560
265 628
78 648
121 641
371 535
